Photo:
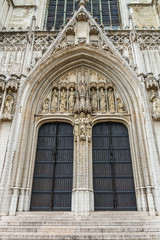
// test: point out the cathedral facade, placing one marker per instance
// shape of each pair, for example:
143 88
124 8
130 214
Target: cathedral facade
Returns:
79 106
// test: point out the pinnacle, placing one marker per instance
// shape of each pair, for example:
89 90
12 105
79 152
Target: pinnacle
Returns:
82 3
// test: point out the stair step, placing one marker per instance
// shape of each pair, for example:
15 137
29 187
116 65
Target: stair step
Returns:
67 226
93 236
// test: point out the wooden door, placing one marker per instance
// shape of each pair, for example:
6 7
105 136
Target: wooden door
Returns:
112 168
53 173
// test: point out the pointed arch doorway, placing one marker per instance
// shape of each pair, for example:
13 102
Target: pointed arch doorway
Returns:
53 173
113 182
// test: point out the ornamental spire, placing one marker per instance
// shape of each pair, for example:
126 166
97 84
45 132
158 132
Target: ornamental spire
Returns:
82 3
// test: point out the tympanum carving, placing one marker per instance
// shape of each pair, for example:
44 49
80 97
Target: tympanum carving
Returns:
79 94
71 99
63 100
102 97
111 100
54 101
45 106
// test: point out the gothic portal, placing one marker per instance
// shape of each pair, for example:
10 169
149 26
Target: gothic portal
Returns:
79 106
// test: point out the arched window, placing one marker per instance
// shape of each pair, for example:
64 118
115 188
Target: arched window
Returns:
105 11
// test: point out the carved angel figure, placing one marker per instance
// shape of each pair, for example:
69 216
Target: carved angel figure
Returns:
102 98
63 100
111 100
54 103
45 106
94 100
156 103
8 103
120 106
71 99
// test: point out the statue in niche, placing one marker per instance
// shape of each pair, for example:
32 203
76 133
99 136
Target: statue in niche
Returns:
111 100
71 99
102 97
94 100
63 100
156 103
54 102
8 103
45 106
82 129
120 106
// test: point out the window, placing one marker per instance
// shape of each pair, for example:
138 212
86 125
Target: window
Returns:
106 12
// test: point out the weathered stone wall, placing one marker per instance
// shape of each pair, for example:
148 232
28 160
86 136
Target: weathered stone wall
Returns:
145 13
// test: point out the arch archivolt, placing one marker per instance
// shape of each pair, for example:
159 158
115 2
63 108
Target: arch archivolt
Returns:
62 89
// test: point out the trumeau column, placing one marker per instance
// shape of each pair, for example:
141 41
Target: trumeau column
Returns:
82 196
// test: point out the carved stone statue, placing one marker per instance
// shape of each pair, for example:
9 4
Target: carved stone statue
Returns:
8 103
54 102
94 100
120 106
102 98
111 100
71 99
82 128
45 106
156 103
63 100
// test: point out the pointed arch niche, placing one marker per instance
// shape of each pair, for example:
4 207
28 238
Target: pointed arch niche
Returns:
82 70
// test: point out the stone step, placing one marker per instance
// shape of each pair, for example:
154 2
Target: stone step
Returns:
92 214
93 236
103 222
67 226
81 229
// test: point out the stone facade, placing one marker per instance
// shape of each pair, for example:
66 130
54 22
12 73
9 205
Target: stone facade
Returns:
82 74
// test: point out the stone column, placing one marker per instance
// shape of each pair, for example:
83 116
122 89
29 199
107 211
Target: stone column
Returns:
82 195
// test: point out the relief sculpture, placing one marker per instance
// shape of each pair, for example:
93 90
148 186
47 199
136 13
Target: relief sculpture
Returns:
82 128
120 106
102 97
45 106
111 102
63 100
83 94
71 99
54 102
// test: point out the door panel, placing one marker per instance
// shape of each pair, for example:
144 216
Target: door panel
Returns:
53 174
112 168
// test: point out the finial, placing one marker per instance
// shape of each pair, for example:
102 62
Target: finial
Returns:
82 3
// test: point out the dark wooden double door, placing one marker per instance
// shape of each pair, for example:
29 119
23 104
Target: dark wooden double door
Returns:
53 173
112 169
